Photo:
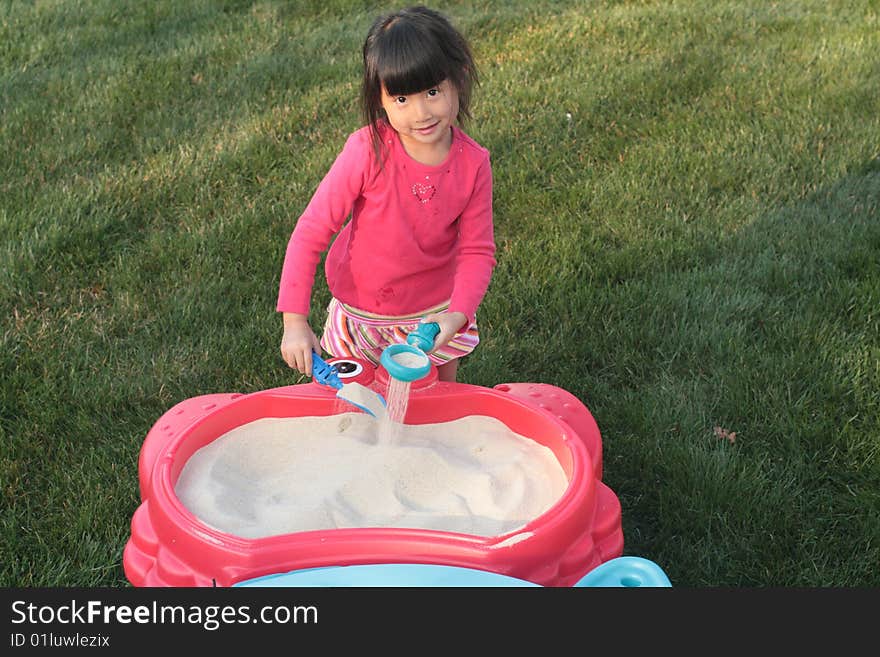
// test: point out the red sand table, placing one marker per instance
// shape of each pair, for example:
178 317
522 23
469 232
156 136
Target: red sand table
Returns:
169 546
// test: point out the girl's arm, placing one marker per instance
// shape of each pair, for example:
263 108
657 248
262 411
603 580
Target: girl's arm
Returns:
476 248
475 260
325 214
328 209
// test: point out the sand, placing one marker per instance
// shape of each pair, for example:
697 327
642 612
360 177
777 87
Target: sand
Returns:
363 397
410 359
280 475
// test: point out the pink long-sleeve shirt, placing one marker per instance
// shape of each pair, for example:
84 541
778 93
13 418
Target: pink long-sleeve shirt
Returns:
418 236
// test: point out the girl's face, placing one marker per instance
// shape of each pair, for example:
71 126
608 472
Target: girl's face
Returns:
424 120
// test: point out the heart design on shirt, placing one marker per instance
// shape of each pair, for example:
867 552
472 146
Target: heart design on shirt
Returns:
423 192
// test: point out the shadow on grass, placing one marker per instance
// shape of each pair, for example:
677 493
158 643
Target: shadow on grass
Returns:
774 339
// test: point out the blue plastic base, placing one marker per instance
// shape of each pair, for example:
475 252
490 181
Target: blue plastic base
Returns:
620 572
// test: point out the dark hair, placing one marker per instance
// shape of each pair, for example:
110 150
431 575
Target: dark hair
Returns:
409 51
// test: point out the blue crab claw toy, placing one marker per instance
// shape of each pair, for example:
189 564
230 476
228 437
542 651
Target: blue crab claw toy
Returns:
325 373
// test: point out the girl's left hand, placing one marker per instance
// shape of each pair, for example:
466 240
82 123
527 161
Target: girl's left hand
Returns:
450 324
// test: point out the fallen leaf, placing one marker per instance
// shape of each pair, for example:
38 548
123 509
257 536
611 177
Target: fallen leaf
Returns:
729 436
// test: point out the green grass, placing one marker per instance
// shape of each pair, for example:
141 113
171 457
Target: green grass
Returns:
687 202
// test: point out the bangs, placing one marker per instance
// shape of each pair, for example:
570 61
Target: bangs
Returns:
410 64
408 52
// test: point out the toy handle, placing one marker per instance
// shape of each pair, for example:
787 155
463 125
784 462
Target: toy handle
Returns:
626 572
325 373
424 335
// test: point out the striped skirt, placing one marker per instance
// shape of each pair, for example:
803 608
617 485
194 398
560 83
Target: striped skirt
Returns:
356 333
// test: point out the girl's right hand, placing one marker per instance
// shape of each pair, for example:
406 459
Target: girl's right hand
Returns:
297 343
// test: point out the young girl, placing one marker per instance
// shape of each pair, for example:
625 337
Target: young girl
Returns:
419 245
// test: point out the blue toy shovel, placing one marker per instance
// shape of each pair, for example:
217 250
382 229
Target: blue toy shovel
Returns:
354 393
417 345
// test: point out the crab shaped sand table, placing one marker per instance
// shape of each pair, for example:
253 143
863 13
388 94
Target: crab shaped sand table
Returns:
171 546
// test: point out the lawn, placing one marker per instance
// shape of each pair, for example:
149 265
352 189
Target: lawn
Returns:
687 212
